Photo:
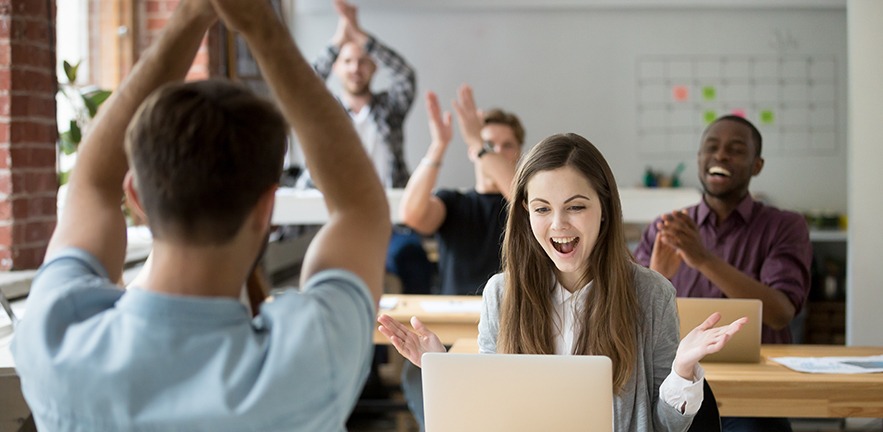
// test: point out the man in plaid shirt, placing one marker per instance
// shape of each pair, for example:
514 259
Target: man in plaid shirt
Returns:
378 117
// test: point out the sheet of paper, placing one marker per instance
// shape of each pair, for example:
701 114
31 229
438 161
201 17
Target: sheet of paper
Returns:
6 362
833 365
388 303
18 308
6 332
451 306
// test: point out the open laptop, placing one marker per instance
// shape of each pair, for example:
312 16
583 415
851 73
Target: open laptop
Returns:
744 346
512 392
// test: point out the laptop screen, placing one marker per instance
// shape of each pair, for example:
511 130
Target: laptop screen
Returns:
744 346
512 392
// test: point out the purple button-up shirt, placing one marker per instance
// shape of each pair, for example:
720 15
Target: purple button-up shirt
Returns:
768 244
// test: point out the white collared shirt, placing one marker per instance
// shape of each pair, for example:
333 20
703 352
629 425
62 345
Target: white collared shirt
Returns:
373 143
568 306
683 394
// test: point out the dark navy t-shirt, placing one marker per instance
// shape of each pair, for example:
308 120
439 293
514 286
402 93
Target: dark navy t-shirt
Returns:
470 240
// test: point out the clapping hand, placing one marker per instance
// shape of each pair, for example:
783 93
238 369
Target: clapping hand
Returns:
348 29
664 258
439 122
680 233
469 118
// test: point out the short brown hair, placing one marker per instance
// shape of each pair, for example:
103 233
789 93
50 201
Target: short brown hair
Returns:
202 153
498 116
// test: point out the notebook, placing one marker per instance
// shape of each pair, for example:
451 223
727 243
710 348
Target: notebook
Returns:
511 392
744 346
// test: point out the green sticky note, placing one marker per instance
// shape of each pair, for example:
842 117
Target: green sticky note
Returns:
709 93
767 117
709 116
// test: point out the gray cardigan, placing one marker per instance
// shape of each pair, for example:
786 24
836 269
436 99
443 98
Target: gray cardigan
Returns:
638 408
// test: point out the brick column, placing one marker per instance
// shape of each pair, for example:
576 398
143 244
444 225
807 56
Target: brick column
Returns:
28 131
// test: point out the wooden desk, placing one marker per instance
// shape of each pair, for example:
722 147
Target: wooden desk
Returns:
768 389
465 346
449 317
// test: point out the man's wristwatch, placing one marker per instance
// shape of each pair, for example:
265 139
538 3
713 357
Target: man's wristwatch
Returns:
487 147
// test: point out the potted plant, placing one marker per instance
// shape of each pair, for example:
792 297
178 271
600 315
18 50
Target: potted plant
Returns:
84 102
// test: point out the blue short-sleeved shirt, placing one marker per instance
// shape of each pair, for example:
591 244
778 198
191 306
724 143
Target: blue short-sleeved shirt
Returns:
92 357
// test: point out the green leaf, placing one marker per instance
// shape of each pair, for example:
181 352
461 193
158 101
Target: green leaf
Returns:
70 140
76 134
99 96
65 144
94 99
71 71
64 141
63 177
90 105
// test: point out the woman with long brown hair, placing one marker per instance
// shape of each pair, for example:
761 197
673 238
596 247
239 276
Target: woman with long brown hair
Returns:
569 286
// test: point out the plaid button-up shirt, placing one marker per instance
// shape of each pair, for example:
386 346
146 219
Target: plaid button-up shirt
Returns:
388 107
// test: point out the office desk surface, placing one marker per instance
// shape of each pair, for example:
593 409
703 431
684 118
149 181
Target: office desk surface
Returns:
768 389
449 317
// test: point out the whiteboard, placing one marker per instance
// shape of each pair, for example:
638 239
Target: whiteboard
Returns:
587 67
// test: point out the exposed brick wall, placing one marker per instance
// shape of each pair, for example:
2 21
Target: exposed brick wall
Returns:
154 15
28 131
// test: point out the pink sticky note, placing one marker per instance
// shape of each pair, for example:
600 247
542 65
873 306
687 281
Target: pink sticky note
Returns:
680 93
739 112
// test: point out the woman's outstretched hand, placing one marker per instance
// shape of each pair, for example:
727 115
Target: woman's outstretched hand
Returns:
701 341
411 344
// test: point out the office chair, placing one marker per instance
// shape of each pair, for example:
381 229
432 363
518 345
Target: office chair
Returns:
708 417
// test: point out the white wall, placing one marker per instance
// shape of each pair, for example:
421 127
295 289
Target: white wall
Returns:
864 270
572 66
540 59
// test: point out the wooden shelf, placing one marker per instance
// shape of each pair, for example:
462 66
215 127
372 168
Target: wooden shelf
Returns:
820 235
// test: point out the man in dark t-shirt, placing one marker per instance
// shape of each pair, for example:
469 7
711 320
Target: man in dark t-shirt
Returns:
468 224
469 239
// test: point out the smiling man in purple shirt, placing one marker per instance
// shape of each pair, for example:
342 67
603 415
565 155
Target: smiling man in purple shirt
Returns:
729 245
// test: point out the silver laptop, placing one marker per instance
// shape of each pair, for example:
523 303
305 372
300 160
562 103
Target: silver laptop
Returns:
744 346
511 392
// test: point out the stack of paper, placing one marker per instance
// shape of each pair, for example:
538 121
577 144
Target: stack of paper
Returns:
834 365
451 306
